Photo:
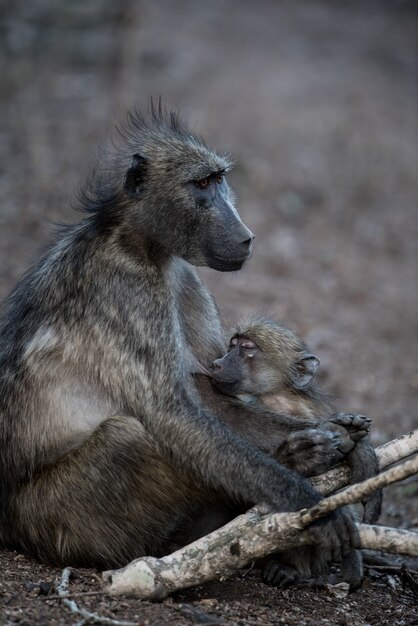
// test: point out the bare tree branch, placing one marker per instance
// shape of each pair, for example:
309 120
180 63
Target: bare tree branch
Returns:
251 536
359 491
389 539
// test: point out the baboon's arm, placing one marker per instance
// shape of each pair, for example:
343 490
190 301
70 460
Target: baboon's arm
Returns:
197 440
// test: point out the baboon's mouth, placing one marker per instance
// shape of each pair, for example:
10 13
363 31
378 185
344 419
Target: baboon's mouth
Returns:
227 264
204 372
224 385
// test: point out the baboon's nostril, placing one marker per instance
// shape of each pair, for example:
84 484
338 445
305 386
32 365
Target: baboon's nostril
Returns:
248 241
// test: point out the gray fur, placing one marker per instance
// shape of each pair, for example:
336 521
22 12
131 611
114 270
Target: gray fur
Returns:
106 447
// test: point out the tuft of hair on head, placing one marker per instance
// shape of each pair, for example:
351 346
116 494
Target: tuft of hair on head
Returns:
161 139
161 135
157 117
269 334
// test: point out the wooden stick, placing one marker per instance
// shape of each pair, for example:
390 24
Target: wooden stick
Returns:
359 491
87 616
250 536
388 539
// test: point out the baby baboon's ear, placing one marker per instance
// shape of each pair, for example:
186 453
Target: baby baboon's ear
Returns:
135 176
306 369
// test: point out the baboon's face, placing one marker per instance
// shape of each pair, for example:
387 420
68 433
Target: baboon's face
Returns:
185 204
244 369
218 236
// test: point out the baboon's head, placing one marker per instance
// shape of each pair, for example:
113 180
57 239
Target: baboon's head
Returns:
177 194
264 357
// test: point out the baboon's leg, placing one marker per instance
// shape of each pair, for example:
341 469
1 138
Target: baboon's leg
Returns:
109 501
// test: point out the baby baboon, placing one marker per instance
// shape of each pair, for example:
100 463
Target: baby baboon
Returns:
268 363
106 445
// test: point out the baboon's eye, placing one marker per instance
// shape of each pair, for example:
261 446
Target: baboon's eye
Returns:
248 344
203 183
220 178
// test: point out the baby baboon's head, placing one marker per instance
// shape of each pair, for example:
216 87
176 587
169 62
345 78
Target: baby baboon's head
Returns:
264 357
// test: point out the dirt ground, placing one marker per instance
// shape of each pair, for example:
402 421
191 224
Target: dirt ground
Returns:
317 102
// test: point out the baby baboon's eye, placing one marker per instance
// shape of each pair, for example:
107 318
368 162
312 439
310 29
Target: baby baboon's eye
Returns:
203 183
248 344
220 178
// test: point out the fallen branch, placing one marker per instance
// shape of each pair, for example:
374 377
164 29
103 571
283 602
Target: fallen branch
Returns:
249 537
88 617
358 491
386 539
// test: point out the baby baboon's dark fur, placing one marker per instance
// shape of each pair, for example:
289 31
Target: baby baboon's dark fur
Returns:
106 447
268 364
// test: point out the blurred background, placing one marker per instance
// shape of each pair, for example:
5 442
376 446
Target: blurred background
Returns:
317 102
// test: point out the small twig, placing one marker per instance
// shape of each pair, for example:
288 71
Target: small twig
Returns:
197 615
88 616
79 594
408 580
373 558
390 569
247 570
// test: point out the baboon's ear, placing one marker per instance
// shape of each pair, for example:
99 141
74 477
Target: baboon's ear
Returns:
306 369
135 176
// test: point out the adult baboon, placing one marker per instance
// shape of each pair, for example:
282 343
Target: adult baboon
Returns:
105 444
267 364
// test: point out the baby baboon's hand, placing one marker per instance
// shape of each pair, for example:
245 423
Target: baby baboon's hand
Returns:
345 443
357 425
350 427
310 451
335 535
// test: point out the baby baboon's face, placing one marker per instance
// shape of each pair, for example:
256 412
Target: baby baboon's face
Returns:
279 367
244 369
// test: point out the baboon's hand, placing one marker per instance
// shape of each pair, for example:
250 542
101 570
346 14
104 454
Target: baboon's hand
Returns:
310 451
357 425
335 535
